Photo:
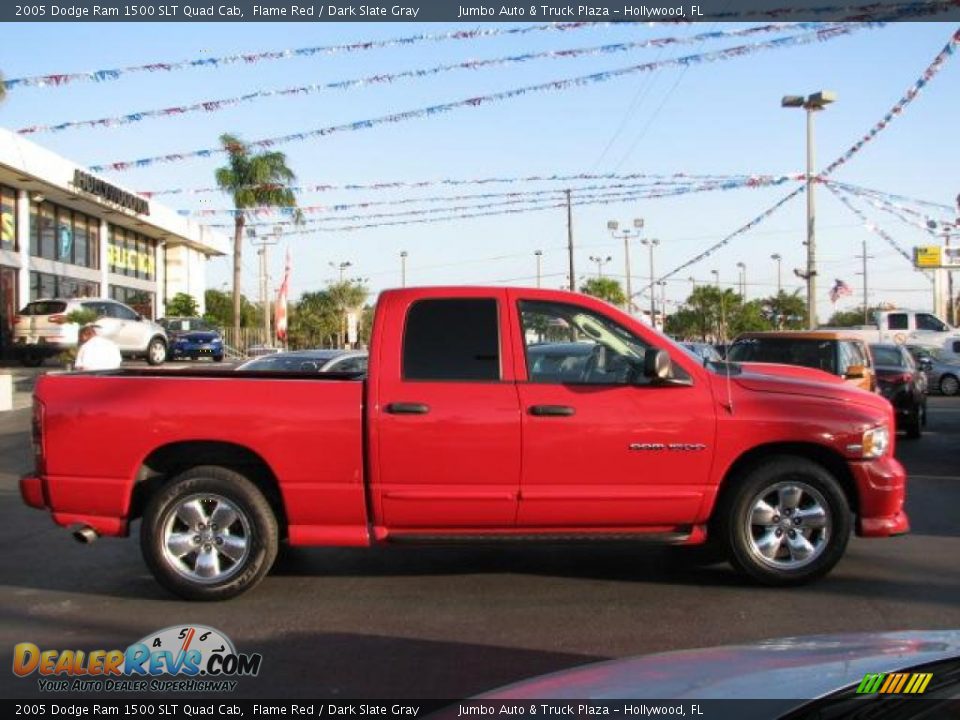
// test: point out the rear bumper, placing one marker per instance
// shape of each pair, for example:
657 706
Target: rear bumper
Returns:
882 491
44 349
35 495
31 490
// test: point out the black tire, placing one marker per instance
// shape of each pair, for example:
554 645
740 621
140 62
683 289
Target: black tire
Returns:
949 385
913 425
740 537
218 358
256 527
156 351
31 360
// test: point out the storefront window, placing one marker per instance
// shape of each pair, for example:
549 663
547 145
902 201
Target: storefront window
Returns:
80 240
93 242
8 218
48 232
58 233
45 285
131 254
64 235
140 300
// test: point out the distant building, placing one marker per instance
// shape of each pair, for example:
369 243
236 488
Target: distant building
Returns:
67 233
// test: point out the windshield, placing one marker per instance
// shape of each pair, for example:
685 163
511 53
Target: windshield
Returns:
806 352
44 307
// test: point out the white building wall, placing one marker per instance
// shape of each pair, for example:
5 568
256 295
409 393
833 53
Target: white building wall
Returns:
186 273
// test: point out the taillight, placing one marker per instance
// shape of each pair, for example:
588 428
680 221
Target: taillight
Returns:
901 379
58 319
16 319
36 435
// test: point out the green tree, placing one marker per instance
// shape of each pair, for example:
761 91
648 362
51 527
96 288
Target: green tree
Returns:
182 305
366 324
786 311
220 309
849 318
252 180
314 321
605 289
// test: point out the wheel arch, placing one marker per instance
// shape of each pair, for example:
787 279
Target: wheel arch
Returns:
826 457
168 461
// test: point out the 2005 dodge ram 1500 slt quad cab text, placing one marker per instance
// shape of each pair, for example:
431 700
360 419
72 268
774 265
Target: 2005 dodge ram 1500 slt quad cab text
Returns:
487 413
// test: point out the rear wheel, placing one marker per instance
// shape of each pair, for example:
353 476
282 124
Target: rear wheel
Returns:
949 385
156 351
31 359
915 422
786 522
209 535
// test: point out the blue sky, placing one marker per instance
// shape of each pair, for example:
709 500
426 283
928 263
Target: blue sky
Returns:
721 117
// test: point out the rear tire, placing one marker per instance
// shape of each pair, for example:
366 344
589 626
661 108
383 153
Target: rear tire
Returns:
949 385
786 522
914 423
209 534
156 351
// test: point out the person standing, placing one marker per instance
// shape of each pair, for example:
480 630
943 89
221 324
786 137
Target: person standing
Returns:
96 352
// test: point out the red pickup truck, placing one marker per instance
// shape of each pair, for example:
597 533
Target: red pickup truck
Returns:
487 413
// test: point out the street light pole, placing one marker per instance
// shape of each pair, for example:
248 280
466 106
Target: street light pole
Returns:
403 268
865 257
743 280
652 243
612 226
716 277
778 258
600 261
812 103
539 254
262 245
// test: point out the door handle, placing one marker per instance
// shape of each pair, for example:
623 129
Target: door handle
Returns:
407 408
551 410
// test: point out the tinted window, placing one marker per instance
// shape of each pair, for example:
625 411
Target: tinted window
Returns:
46 307
817 354
100 308
452 340
897 321
956 346
930 322
121 311
889 356
354 364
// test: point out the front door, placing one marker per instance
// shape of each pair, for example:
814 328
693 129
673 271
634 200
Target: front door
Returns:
604 447
446 425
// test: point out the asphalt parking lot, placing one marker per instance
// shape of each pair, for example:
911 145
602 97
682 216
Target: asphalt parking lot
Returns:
414 622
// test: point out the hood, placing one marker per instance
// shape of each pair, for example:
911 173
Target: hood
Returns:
794 667
807 383
204 336
793 371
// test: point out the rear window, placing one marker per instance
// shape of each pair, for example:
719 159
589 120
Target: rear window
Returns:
456 339
44 307
806 352
887 356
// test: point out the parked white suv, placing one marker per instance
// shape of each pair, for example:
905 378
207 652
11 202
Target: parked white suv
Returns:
41 329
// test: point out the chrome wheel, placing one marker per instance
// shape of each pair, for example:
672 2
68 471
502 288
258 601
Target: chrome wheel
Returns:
788 525
157 353
206 538
949 385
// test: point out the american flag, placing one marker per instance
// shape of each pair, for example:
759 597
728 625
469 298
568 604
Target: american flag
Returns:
839 289
280 309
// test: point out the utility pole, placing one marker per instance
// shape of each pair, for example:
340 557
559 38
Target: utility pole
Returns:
263 244
652 243
778 258
865 257
403 268
573 275
539 254
812 103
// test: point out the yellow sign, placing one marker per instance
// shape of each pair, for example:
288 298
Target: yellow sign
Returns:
927 256
120 259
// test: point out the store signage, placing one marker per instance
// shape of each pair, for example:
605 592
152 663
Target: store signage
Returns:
927 256
111 193
120 259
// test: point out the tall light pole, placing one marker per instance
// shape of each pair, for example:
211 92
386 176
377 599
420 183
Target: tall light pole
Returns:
539 255
626 234
716 277
812 103
403 268
743 280
652 243
778 258
863 256
262 244
600 261
693 283
341 267
663 303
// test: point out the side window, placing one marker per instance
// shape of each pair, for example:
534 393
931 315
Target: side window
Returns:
98 307
456 339
121 312
930 322
859 354
897 321
567 344
848 357
956 346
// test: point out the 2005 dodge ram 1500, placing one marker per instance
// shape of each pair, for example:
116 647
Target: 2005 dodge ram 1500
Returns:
487 413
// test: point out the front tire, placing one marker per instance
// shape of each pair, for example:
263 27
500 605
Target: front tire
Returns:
218 358
210 534
156 351
786 522
949 385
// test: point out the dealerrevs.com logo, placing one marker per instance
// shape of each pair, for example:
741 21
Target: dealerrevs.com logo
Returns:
180 658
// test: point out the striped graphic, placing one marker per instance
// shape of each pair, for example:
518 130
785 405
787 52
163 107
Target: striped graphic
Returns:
894 683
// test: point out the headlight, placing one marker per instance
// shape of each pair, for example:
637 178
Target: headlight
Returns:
875 442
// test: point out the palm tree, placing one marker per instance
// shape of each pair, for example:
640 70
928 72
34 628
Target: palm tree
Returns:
3 88
253 181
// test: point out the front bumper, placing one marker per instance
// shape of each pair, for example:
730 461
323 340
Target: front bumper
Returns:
882 491
196 350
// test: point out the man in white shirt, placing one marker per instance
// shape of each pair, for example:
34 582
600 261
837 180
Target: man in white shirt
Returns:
96 352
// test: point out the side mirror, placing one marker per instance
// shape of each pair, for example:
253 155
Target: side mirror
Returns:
925 363
855 372
656 364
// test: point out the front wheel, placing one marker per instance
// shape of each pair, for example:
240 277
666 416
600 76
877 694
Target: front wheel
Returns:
218 358
156 352
949 385
786 522
209 535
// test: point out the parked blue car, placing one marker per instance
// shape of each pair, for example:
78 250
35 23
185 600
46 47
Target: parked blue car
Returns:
192 338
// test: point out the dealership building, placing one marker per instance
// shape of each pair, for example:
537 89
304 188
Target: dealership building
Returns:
67 233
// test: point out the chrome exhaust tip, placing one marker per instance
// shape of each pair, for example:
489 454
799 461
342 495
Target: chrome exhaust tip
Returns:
85 535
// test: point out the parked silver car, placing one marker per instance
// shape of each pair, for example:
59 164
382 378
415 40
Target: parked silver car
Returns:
41 329
942 377
310 361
